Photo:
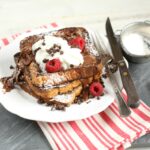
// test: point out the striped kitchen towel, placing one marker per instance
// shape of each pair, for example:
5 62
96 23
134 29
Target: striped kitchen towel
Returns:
5 41
103 131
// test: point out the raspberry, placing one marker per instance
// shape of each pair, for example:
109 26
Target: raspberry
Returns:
53 65
78 42
96 89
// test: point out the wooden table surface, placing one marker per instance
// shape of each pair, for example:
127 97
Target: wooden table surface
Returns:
19 15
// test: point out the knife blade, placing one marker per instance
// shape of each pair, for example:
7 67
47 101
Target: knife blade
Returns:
128 84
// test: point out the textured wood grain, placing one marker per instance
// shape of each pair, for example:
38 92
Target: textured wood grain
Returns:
20 134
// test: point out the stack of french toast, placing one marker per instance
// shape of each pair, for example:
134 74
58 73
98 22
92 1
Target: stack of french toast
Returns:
59 68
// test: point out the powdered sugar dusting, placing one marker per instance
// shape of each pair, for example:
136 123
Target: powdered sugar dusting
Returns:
90 46
54 79
64 98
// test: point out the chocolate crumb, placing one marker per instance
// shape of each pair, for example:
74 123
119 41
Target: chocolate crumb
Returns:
60 107
71 65
11 67
8 83
104 76
98 98
53 107
37 50
43 43
45 60
57 50
88 102
59 46
91 96
43 37
102 94
49 51
21 78
61 52
79 101
40 101
76 100
49 103
55 45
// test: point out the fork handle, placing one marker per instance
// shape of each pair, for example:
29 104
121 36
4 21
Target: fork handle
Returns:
133 98
123 108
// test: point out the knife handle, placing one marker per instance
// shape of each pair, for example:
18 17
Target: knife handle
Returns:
133 98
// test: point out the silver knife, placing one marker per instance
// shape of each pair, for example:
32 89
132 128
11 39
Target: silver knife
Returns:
128 84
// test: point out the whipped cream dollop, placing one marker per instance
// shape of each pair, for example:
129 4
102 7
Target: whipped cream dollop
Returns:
67 55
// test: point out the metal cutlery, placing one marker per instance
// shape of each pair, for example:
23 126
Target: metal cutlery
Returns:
100 46
133 98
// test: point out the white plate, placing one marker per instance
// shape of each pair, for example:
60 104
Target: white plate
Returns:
22 104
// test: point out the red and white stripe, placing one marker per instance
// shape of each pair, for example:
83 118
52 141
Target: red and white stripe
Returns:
7 40
103 131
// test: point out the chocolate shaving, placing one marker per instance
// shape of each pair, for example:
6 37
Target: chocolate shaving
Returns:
40 101
105 75
16 57
91 96
60 107
55 45
53 107
11 67
88 102
98 98
71 65
59 47
8 83
16 75
61 52
79 101
45 60
54 49
36 50
102 94
43 43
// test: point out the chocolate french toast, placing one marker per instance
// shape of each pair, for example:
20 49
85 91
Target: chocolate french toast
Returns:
59 67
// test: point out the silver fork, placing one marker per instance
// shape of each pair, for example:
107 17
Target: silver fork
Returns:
101 48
